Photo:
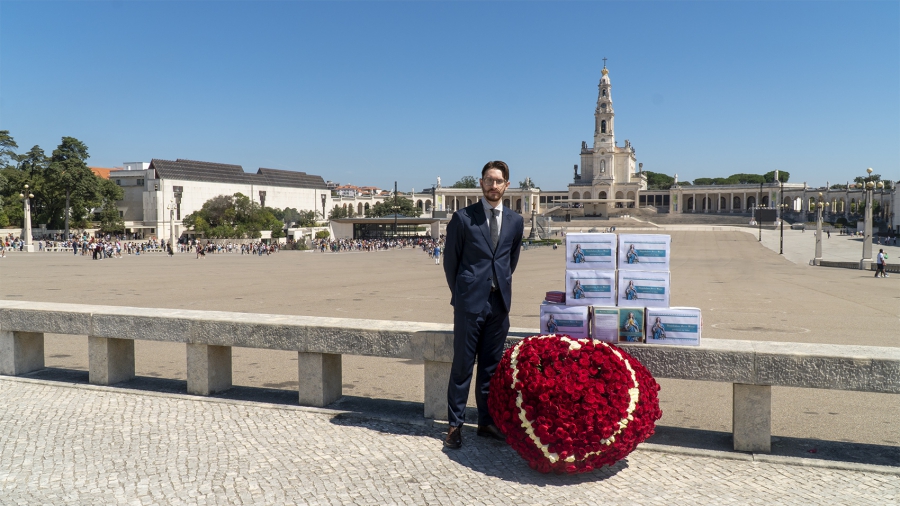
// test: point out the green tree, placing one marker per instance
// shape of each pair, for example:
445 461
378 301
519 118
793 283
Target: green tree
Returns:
338 212
466 182
783 176
386 208
7 148
110 221
69 175
233 217
658 181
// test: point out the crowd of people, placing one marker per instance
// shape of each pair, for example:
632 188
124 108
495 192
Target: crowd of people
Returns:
427 244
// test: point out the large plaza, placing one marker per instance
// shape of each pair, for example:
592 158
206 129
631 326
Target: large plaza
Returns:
745 288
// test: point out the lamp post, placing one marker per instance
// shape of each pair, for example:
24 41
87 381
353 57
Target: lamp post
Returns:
171 208
865 262
323 207
26 197
781 209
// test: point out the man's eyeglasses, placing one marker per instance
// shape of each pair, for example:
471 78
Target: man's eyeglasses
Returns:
493 182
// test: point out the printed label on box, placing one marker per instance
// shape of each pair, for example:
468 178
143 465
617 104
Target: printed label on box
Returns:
644 252
677 325
591 251
589 288
618 324
644 288
562 319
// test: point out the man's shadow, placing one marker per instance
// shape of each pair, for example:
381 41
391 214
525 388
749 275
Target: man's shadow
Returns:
483 455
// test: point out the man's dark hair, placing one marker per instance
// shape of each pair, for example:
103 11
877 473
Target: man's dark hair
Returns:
496 164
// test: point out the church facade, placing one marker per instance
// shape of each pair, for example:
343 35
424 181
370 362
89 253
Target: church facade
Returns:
610 178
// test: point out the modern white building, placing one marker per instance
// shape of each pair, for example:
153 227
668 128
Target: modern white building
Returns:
160 193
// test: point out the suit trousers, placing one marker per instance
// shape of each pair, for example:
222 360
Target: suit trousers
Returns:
480 336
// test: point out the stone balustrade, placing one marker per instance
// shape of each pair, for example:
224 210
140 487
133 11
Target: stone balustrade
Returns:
752 367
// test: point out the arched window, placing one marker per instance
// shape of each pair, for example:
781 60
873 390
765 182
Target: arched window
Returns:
603 126
518 205
751 202
359 208
690 204
419 204
765 201
602 195
367 208
576 195
736 203
604 92
587 195
427 205
723 204
505 202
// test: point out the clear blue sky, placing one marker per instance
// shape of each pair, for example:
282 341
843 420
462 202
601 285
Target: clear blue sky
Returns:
367 93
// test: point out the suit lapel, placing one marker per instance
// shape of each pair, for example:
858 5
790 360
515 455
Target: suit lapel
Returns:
483 225
505 228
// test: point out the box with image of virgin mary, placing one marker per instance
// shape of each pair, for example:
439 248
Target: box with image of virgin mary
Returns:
590 288
562 319
617 324
643 288
644 252
591 251
674 325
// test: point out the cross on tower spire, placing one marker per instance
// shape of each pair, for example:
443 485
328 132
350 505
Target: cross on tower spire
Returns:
604 62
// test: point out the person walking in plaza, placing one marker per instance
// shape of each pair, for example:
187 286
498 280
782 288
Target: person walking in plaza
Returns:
480 256
437 254
879 264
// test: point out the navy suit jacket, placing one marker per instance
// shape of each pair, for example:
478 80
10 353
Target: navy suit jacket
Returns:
470 261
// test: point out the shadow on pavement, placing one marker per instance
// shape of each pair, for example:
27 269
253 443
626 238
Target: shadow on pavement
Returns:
802 448
406 418
482 455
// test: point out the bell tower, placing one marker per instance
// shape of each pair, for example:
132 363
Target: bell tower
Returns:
604 116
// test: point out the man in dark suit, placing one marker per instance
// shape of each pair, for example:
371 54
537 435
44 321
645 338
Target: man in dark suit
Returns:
480 256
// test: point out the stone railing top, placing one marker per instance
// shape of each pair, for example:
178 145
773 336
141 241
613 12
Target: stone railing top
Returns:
844 367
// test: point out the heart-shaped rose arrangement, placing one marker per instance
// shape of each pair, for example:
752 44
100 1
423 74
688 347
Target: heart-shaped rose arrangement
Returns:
572 405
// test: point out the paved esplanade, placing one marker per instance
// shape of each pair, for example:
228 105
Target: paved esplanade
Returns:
91 445
744 289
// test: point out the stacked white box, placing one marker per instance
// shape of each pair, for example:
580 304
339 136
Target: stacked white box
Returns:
674 325
563 319
590 288
617 324
591 251
644 252
643 288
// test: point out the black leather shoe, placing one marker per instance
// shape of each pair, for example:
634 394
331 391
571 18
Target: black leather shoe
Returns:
454 438
490 431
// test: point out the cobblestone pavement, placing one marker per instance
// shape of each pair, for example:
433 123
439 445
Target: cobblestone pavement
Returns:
63 444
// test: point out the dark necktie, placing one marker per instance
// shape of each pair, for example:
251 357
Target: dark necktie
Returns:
495 227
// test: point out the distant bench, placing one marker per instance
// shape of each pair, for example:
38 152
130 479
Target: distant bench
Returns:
753 367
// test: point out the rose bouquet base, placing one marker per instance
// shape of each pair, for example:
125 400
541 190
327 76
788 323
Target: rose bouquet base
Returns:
572 405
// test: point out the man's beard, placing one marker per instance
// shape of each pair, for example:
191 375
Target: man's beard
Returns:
488 196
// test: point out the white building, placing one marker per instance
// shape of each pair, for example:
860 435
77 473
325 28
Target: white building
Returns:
161 192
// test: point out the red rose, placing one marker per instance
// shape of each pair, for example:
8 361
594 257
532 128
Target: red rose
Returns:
575 396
